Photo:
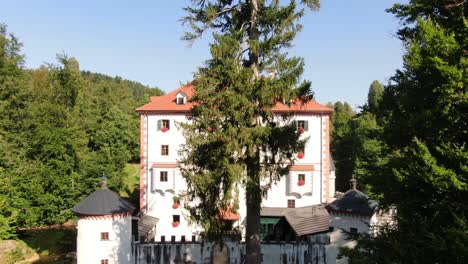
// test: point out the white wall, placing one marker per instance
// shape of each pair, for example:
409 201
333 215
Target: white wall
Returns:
341 222
160 194
90 248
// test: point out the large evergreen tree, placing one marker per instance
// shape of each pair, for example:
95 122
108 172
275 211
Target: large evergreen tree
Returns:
232 140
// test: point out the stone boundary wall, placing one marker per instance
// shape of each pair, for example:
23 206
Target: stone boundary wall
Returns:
312 252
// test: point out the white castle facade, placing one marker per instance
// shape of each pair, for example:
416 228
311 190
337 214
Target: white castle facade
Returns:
310 181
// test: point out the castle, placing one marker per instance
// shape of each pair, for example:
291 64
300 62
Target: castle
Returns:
301 207
309 183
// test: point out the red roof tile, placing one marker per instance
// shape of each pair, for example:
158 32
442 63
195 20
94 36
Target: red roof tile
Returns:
167 103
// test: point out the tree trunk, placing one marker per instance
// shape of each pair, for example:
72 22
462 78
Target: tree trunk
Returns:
253 191
253 202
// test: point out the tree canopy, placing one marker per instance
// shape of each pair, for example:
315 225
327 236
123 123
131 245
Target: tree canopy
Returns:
61 129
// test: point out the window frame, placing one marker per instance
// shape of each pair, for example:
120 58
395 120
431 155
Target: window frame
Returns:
301 176
104 261
163 176
291 203
175 218
180 100
164 150
166 123
104 236
304 124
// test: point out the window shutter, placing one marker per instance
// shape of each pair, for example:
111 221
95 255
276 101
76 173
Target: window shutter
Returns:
159 124
306 125
153 180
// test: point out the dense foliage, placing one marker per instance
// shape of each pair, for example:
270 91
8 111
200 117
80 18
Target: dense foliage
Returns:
356 144
232 140
424 120
60 130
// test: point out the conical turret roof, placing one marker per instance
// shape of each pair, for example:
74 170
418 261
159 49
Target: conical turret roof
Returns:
103 202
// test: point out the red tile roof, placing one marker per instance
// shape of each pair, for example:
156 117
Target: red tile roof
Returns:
167 103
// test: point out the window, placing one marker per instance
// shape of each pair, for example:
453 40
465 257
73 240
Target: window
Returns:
163 238
164 124
163 176
180 100
291 203
175 218
164 150
302 124
104 261
301 177
353 230
104 235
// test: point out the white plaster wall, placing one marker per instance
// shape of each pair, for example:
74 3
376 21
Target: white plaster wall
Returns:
160 194
90 248
338 237
173 137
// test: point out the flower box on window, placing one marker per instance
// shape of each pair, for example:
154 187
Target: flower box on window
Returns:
300 155
175 224
164 129
300 183
175 205
301 130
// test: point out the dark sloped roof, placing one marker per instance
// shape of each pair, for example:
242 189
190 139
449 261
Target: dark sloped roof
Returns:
145 224
103 202
353 201
303 220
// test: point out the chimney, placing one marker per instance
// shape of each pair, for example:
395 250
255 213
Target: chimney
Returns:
353 183
103 182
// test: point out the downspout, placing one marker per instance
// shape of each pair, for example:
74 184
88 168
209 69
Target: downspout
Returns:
147 167
321 159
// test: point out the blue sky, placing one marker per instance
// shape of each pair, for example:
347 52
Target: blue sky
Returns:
346 44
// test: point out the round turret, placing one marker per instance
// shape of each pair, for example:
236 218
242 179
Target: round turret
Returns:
104 227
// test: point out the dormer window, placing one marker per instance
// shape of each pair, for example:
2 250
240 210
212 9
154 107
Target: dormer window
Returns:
180 98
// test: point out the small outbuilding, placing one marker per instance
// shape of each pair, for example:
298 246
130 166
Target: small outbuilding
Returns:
104 227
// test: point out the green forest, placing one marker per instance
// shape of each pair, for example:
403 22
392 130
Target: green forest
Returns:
61 129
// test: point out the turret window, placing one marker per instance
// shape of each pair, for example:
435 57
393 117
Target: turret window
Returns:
104 236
